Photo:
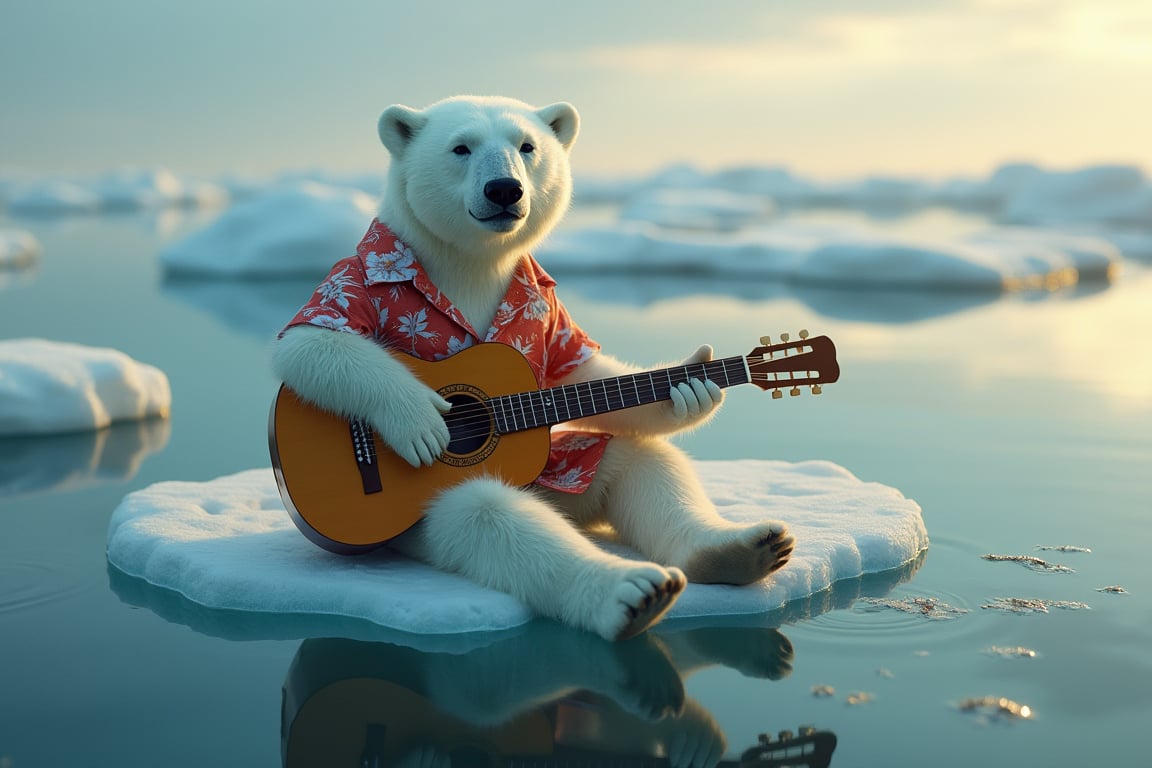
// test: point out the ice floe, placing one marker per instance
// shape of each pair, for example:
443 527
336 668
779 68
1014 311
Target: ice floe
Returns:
998 258
687 221
298 229
707 209
52 386
120 190
1022 193
135 189
928 607
1014 192
1044 228
1116 194
51 197
229 544
18 249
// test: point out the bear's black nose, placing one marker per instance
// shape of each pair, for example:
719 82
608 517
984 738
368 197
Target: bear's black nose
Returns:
504 192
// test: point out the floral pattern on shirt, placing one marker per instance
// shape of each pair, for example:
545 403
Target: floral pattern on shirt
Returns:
391 267
384 294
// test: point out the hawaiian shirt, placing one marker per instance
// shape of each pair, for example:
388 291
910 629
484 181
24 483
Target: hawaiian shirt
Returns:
383 293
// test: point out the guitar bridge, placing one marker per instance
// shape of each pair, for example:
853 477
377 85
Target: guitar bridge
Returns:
364 447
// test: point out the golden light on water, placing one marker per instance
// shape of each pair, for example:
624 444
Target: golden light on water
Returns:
1091 335
1088 334
997 707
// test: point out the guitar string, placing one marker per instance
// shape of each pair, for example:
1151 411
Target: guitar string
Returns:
484 417
480 416
477 418
588 396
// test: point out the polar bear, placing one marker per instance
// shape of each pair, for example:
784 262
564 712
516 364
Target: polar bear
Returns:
473 185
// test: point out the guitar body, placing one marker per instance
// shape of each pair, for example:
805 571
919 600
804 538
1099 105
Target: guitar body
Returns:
348 505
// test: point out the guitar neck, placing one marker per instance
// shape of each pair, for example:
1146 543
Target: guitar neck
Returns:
546 407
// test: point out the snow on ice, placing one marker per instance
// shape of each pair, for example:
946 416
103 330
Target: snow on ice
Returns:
52 386
229 544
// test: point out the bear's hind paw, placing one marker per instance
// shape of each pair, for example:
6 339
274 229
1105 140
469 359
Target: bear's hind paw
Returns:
641 598
749 556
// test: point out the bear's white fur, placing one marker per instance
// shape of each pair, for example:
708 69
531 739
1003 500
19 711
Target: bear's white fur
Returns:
526 542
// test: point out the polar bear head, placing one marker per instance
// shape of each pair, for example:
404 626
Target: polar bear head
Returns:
478 176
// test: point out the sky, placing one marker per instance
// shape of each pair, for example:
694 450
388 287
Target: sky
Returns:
833 88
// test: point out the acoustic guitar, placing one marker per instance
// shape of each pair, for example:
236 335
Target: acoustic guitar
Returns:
348 492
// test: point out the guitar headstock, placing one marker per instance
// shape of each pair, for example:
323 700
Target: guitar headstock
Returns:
806 362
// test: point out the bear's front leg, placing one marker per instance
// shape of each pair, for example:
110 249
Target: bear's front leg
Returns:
348 374
510 540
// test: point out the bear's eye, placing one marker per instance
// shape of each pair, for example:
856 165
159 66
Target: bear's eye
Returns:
527 148
461 149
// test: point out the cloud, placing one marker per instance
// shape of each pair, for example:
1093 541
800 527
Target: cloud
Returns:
847 40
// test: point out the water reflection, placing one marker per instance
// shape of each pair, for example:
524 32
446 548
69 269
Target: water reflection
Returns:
550 696
257 308
358 694
16 278
249 625
874 305
261 307
68 462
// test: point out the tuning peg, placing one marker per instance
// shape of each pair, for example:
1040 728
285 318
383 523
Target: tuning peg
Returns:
777 394
784 337
784 735
816 389
794 391
764 738
766 340
803 333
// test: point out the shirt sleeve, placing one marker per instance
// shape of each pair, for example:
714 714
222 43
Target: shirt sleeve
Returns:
341 302
567 345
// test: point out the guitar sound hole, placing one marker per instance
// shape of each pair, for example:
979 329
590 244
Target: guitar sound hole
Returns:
469 425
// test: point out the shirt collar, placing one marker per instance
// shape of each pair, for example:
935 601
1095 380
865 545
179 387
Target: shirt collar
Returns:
387 258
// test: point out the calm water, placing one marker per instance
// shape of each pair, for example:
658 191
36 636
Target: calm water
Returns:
1014 422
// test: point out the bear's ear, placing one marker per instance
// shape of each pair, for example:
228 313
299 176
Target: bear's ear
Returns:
398 125
564 121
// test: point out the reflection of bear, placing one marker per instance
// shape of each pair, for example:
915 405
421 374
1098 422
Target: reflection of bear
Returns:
474 184
548 696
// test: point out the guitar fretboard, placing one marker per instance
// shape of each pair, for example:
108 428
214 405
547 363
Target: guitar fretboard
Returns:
545 407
